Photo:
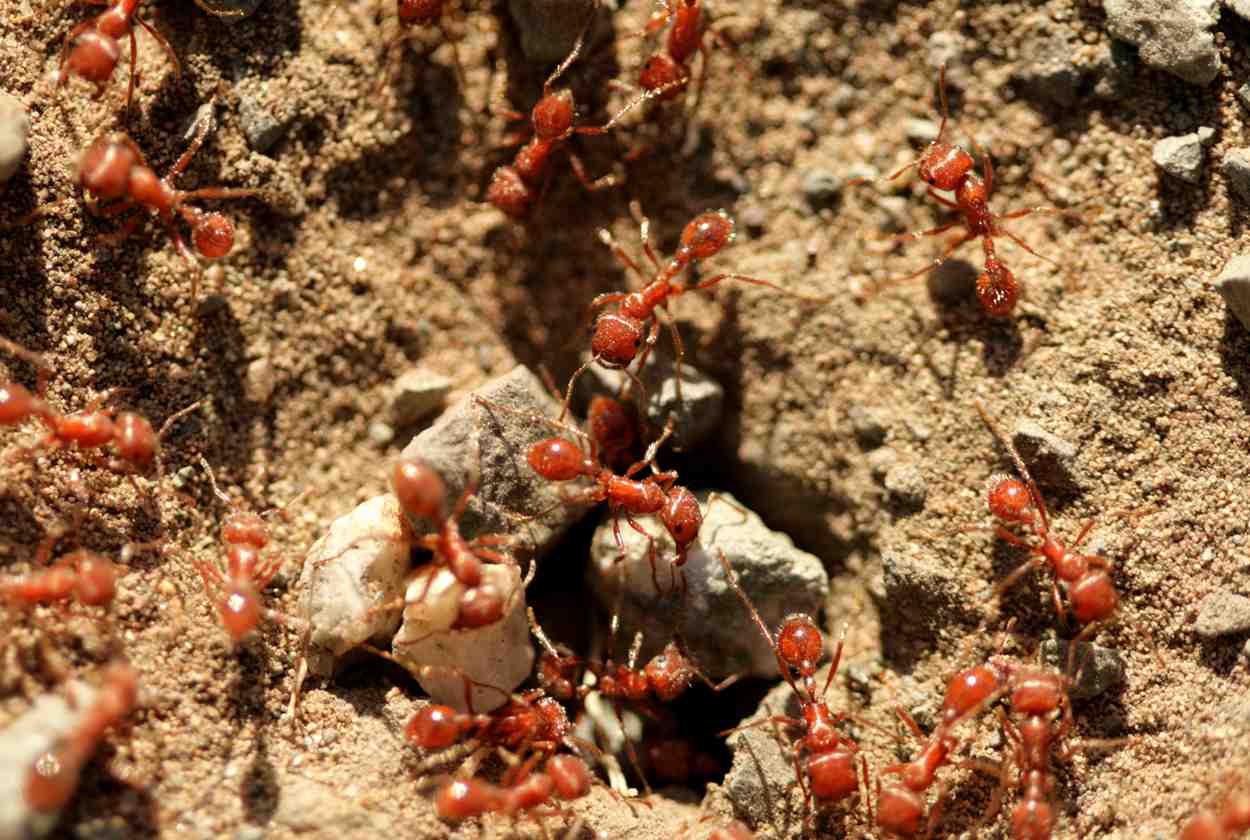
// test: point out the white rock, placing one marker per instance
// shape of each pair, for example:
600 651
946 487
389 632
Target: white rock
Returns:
1180 157
14 128
498 657
1233 284
48 720
358 566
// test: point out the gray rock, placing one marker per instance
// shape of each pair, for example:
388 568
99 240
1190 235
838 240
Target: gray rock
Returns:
1098 668
491 443
778 577
880 461
1206 135
820 186
1172 35
1050 73
416 394
1236 168
1115 68
229 10
922 131
868 424
1233 284
1051 459
49 719
1180 157
548 28
14 130
1222 614
924 590
259 124
906 485
694 418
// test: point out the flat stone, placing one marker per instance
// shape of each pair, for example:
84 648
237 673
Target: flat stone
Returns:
1051 459
695 417
1233 284
14 131
1222 614
548 28
868 424
1098 668
1236 168
415 395
1180 157
259 124
778 577
315 810
924 590
907 487
1172 35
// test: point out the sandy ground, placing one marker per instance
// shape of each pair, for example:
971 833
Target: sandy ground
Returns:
373 251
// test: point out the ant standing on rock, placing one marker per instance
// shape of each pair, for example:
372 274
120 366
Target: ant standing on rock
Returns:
113 167
91 50
947 167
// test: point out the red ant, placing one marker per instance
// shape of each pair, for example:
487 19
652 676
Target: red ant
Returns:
945 166
613 425
632 330
667 72
513 188
1086 578
87 577
565 777
423 495
1232 818
829 773
113 167
94 50
135 443
423 13
558 459
236 593
54 776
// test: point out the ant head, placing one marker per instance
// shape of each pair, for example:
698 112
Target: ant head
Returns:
800 643
967 690
557 459
105 167
93 56
669 673
246 529
419 489
479 606
509 192
1093 597
240 610
553 115
419 12
97 579
1009 498
900 811
570 776
433 728
617 338
682 519
554 675
554 717
662 72
833 775
997 289
706 235
213 235
135 439
944 165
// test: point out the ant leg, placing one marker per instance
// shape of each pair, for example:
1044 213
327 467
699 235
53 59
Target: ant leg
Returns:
679 353
911 724
220 193
940 199
1014 578
1026 246
605 236
917 234
652 451
160 39
942 99
775 719
202 128
603 182
855 182
1080 537
134 65
644 232
837 659
549 85
655 581
755 281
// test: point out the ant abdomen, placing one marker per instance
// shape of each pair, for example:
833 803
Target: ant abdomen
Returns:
900 810
997 289
570 775
707 234
17 404
93 56
213 235
419 12
434 727
833 774
557 459
509 192
1093 597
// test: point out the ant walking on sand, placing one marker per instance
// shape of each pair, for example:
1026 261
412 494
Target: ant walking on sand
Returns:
632 330
52 780
91 50
658 494
829 772
523 791
113 167
947 167
515 187
667 72
1086 578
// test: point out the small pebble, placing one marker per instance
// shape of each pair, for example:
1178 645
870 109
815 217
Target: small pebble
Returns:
868 425
820 186
1233 284
1097 668
880 461
229 10
1180 157
1243 95
548 28
1050 457
14 128
1172 35
1222 614
1236 168
381 433
416 394
259 381
922 131
260 126
906 486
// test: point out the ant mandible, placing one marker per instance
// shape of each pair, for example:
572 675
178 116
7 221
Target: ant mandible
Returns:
945 166
829 773
515 187
658 494
632 330
1086 578
91 50
113 167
